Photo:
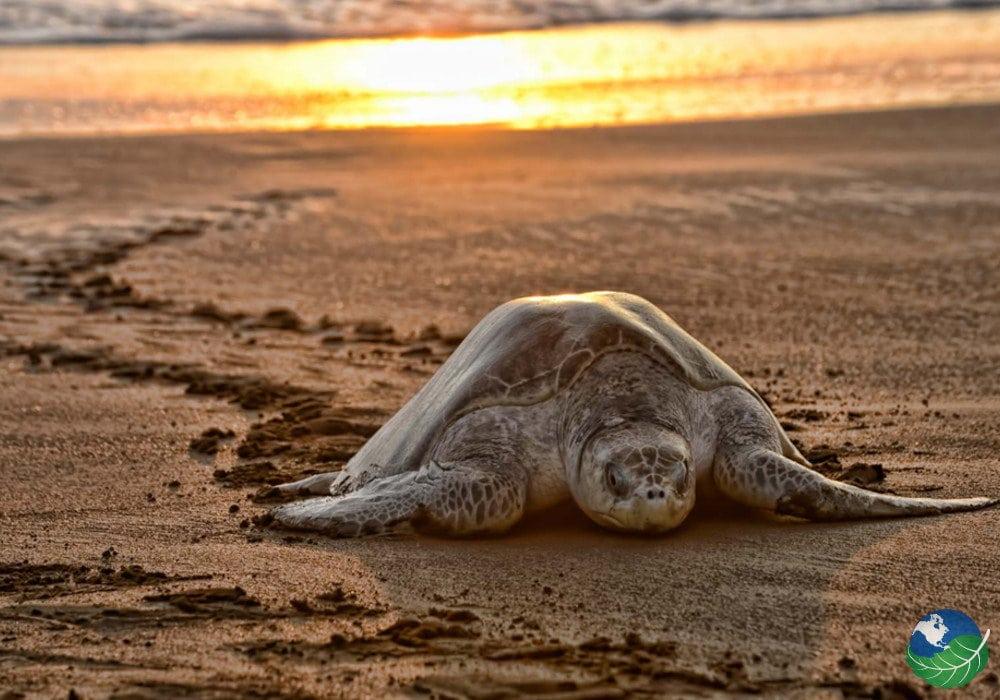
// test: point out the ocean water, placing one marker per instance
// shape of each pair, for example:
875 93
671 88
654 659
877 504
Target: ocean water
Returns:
586 75
60 21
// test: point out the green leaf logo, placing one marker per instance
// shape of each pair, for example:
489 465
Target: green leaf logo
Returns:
947 649
956 665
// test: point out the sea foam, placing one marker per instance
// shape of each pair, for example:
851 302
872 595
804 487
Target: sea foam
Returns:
107 21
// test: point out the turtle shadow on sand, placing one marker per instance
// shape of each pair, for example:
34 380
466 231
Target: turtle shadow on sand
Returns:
730 589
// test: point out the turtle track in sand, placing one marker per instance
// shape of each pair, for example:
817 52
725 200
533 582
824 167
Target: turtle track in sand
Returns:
301 428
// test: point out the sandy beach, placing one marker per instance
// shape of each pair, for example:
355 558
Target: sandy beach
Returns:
186 320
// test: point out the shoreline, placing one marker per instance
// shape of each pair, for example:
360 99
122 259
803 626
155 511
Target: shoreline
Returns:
459 129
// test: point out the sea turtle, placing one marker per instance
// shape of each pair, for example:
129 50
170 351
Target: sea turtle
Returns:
600 396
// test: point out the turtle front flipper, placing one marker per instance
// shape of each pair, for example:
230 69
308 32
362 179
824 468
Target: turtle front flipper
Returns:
750 468
348 516
457 498
761 478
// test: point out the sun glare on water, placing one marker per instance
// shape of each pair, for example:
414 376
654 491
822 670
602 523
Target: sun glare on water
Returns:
575 76
433 65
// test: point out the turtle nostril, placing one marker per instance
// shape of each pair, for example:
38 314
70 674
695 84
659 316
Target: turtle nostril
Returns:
651 494
663 493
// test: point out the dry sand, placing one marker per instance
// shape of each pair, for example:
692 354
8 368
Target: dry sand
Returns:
295 289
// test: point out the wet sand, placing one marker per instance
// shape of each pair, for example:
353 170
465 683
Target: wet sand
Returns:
187 320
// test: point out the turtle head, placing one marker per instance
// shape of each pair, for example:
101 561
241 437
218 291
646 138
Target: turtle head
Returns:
635 478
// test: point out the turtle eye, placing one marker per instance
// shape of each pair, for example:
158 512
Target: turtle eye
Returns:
615 478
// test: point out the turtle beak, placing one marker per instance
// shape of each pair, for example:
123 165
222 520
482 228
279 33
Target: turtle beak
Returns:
658 514
645 515
610 521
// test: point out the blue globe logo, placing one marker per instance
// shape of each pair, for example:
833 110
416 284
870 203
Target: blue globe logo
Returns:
947 649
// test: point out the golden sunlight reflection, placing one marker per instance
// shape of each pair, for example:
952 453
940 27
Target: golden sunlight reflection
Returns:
432 65
575 76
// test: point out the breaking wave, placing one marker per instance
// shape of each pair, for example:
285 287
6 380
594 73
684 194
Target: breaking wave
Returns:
107 21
